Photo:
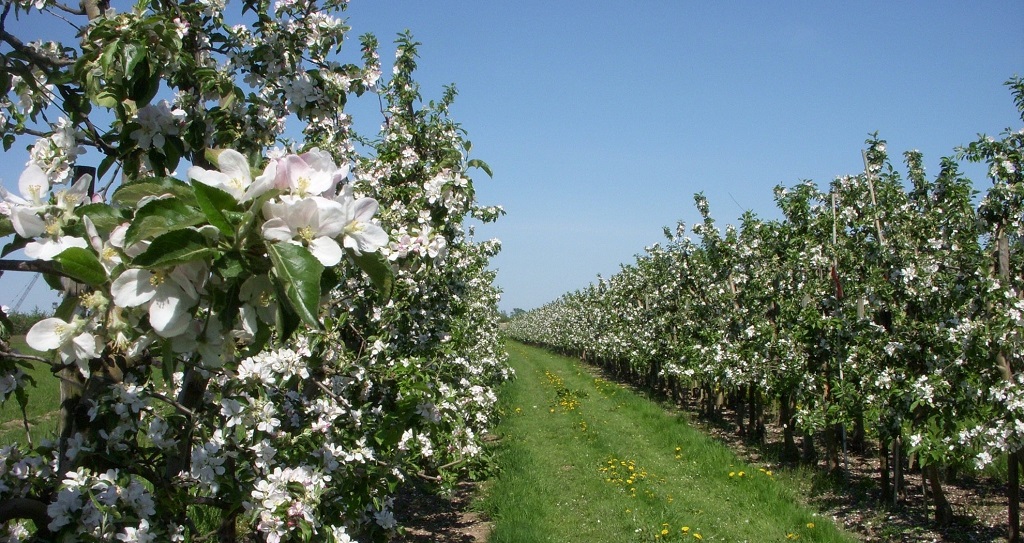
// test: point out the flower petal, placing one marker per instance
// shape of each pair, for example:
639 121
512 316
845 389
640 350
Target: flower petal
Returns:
49 248
366 238
364 209
47 334
133 288
235 165
168 313
26 222
326 250
33 184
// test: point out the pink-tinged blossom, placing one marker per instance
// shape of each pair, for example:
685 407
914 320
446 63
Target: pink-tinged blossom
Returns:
312 173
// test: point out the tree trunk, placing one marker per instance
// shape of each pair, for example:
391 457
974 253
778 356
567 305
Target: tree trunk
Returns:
943 511
756 407
740 410
1013 495
810 453
897 469
790 453
883 453
1003 362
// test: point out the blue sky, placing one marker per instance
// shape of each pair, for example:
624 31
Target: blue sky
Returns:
601 119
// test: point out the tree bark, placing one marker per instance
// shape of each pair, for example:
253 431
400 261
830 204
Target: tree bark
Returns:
943 511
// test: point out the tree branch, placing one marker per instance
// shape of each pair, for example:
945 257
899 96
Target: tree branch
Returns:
19 46
37 266
26 508
69 9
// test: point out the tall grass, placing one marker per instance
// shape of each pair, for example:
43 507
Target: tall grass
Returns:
583 459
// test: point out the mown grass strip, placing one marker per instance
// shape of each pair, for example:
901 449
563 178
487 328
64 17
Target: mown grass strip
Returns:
43 405
583 459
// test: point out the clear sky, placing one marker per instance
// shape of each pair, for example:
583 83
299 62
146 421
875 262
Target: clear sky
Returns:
601 119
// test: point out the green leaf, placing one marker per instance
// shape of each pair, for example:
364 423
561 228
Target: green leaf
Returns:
175 247
6 228
17 243
286 322
105 165
131 193
378 268
82 266
215 203
67 308
145 84
172 151
103 216
231 265
477 163
297 272
159 217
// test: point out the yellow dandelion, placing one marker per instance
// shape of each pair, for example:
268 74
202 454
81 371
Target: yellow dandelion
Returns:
810 525
698 536
684 529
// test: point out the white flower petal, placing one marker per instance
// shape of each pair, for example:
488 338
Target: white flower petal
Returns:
27 223
85 346
326 250
47 334
277 229
48 248
168 316
133 288
33 184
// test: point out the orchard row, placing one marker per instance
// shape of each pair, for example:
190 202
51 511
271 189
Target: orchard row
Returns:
883 306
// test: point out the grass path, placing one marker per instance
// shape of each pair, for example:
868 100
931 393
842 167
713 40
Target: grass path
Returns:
586 460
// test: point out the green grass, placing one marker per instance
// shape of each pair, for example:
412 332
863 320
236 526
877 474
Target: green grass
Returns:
569 441
43 404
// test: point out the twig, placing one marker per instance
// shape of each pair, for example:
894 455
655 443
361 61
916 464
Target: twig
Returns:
173 403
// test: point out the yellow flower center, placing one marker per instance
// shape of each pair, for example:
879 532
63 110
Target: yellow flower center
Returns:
52 228
157 279
354 227
307 234
35 191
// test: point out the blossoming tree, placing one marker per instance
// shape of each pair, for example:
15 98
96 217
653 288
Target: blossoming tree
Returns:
269 344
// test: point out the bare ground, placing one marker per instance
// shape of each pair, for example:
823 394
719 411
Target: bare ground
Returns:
429 518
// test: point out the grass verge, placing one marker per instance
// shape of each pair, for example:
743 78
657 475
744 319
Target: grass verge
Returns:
584 459
43 404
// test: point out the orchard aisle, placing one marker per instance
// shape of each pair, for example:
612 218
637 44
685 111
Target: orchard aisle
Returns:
587 460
